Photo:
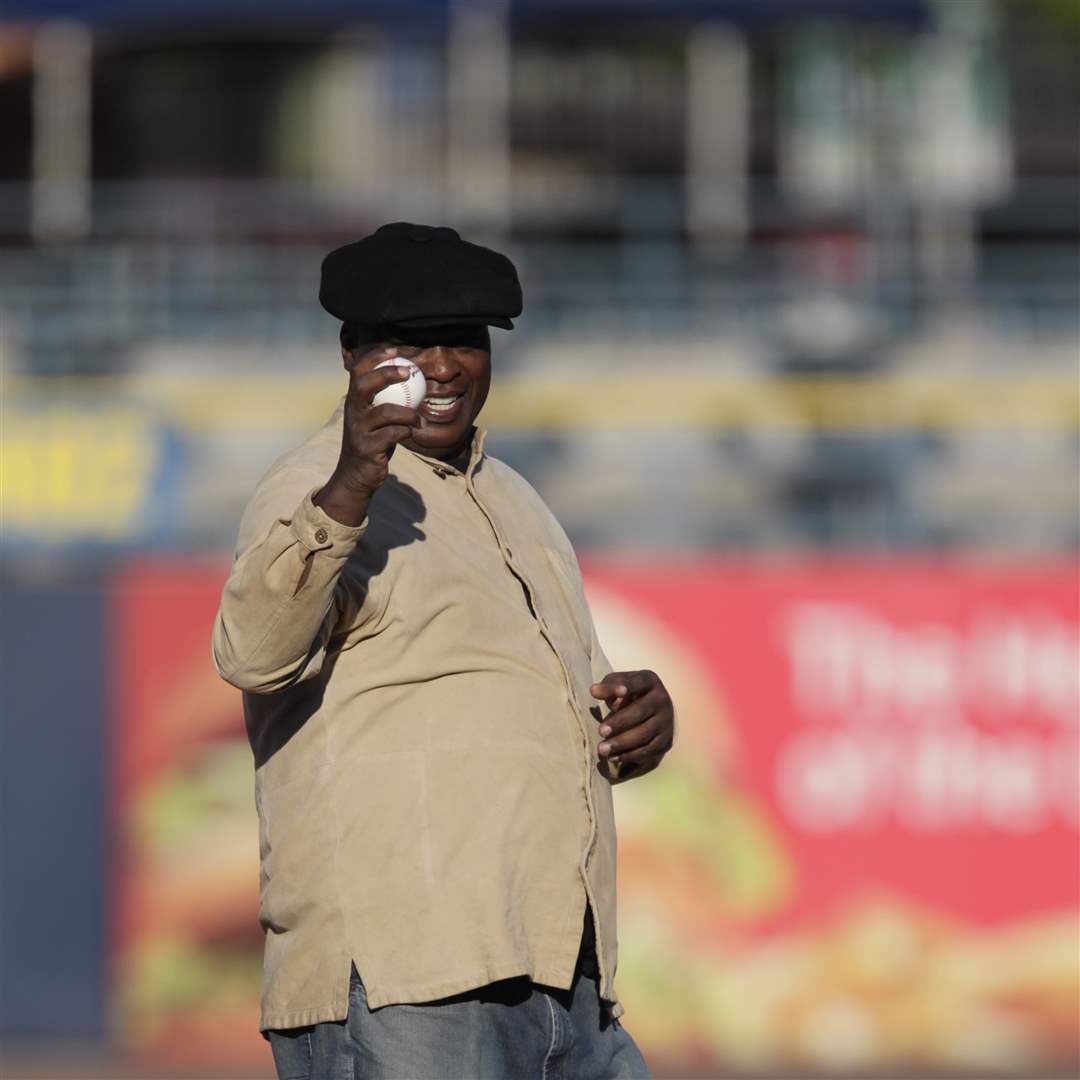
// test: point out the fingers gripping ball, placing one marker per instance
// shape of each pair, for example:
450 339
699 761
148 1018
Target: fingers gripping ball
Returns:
408 393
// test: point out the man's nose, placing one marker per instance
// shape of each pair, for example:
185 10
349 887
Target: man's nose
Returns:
438 363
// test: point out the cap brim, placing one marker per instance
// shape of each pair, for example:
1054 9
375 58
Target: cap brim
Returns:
425 321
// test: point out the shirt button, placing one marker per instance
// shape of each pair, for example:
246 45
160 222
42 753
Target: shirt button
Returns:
321 536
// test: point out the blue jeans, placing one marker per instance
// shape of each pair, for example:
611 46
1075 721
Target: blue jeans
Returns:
509 1030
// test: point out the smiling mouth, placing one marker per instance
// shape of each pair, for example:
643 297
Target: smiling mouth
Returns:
442 408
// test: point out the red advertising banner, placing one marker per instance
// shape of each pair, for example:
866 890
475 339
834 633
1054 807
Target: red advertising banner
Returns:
187 946
868 827
861 853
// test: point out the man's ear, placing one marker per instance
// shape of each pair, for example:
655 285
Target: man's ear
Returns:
347 358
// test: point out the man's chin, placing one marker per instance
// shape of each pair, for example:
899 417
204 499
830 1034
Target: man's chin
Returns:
440 440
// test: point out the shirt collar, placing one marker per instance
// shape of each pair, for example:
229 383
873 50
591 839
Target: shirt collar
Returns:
476 453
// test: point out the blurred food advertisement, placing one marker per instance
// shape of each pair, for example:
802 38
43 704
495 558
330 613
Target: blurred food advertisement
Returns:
860 855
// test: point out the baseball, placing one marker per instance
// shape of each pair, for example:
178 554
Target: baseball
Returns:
409 393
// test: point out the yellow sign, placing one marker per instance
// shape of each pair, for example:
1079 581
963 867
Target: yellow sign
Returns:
70 473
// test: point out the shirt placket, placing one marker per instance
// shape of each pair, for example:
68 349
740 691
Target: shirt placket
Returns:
444 471
571 699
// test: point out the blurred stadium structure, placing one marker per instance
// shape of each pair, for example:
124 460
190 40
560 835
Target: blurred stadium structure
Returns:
801 277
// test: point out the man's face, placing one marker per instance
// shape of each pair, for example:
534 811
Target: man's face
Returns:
456 361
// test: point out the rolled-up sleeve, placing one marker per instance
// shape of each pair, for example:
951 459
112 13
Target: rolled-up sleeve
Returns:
283 596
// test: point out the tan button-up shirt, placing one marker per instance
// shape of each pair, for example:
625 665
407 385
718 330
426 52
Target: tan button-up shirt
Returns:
416 693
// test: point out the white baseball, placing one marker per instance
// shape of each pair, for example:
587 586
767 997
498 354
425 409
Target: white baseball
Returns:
409 393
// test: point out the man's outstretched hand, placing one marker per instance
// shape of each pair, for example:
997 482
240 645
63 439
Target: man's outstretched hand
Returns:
640 728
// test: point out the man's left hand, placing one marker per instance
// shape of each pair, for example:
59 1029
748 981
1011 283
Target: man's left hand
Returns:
640 728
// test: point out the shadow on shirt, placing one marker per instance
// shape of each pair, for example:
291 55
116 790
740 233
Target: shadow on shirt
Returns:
273 719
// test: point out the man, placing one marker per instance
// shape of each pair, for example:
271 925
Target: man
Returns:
421 677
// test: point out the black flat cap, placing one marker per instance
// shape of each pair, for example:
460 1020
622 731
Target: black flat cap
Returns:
419 275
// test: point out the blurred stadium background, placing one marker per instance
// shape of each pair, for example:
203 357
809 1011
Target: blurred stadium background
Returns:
798 372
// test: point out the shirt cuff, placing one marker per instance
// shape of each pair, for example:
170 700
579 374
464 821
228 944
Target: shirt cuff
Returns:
318 531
